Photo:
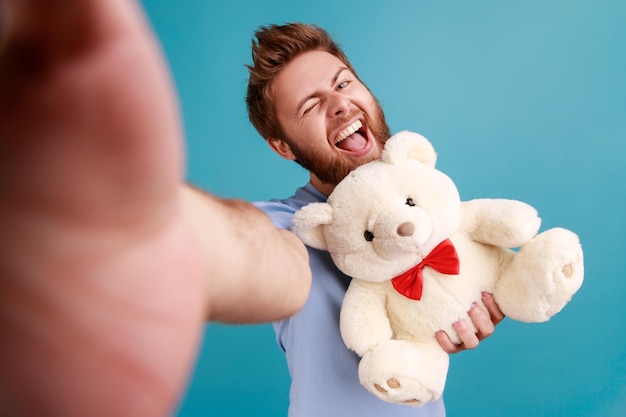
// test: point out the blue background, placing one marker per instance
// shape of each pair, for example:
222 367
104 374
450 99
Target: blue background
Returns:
522 99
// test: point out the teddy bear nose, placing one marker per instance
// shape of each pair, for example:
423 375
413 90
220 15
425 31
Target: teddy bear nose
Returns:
406 229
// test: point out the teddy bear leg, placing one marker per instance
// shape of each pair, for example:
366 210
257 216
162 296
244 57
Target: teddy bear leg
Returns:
542 277
404 372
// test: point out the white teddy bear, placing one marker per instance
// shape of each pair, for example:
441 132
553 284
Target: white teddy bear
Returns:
419 258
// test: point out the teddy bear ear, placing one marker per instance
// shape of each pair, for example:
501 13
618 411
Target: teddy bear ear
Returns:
308 224
409 145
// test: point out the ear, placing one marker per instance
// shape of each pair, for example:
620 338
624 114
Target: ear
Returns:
308 224
282 148
409 145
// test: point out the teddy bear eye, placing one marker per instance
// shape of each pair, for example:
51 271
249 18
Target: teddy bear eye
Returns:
410 202
369 236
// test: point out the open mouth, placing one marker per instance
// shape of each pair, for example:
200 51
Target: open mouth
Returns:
352 138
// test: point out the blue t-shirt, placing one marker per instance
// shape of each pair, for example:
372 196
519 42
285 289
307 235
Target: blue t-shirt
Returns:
324 378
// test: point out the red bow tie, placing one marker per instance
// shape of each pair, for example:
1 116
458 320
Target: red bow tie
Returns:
442 259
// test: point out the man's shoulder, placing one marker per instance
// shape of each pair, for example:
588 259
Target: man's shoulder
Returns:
278 211
281 211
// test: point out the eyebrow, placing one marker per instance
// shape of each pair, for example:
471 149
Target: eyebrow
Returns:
316 93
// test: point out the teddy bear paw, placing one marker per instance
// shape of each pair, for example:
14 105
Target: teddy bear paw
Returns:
400 390
394 384
567 276
403 372
551 268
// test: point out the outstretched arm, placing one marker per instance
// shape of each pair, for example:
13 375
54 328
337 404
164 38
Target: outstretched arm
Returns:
257 272
109 265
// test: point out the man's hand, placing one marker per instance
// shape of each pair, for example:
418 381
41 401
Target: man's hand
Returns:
108 268
484 321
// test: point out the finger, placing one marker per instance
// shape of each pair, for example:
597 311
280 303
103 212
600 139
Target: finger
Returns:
494 310
469 339
446 344
482 321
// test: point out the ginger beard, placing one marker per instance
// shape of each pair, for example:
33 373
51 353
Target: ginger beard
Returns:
331 168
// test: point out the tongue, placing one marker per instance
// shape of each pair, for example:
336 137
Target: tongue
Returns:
354 142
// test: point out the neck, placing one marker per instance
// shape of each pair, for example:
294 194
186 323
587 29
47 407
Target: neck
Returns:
322 187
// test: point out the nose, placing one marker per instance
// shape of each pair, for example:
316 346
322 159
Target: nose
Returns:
406 229
338 104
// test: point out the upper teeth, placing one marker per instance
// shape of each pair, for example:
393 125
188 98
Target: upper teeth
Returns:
348 131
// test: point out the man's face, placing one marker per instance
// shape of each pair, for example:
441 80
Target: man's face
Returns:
331 121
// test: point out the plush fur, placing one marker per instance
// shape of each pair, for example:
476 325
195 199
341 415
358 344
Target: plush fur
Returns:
386 217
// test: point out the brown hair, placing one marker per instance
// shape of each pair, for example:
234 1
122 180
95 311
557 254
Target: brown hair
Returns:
273 47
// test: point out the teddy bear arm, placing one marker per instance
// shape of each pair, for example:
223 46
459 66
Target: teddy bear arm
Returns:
363 320
500 222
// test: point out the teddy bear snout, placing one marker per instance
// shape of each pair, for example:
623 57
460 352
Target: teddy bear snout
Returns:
406 229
